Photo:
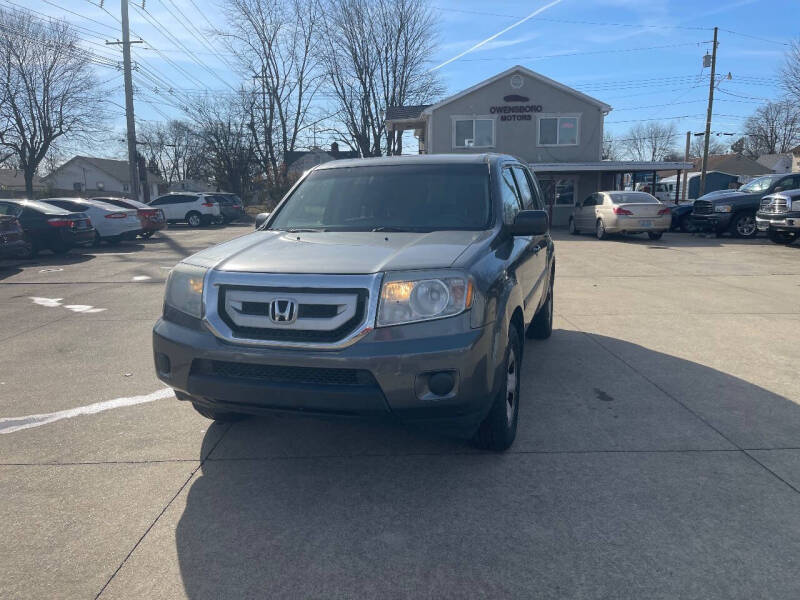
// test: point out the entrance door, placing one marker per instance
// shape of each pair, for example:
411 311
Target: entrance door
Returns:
560 194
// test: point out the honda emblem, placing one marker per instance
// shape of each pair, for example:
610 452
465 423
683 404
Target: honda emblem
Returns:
283 310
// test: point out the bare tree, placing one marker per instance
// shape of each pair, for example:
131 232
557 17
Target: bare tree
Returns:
227 141
697 146
174 147
790 74
650 141
376 54
276 43
47 89
773 129
611 147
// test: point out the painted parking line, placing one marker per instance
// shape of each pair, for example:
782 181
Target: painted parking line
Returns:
12 424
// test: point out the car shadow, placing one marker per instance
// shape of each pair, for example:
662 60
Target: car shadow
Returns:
655 502
671 238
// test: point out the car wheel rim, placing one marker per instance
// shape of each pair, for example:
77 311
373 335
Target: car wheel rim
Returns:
511 385
746 225
193 220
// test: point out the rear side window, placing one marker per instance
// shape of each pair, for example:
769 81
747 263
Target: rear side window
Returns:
510 197
67 205
633 198
9 209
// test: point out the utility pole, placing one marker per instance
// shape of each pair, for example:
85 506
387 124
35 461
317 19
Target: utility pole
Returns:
686 159
126 64
711 85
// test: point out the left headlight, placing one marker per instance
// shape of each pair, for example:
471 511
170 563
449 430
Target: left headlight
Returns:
722 208
185 289
413 297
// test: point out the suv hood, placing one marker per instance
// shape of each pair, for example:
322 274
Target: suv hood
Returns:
734 195
343 252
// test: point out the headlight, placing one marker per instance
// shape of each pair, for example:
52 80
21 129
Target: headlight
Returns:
410 297
185 289
722 208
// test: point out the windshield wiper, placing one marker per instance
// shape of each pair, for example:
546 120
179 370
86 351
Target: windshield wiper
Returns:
389 228
302 229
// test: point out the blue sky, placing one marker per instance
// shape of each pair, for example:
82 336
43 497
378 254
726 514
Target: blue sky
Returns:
643 57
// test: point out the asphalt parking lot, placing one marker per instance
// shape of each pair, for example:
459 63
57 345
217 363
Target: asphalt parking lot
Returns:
658 454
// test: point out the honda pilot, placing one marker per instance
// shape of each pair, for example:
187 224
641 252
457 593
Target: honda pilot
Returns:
398 286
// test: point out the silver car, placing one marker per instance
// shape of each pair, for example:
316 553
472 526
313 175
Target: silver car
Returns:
620 212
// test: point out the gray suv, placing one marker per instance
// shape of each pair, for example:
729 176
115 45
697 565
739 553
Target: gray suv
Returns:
398 287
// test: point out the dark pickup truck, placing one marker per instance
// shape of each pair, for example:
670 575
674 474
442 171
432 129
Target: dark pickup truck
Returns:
396 287
735 212
779 216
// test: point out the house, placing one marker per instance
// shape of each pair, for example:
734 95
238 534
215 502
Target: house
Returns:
733 164
715 180
89 176
556 129
12 184
795 159
299 161
776 163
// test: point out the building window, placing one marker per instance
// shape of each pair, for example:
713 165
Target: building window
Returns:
77 187
473 133
558 131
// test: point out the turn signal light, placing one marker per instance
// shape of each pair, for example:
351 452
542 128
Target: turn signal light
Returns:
618 210
664 211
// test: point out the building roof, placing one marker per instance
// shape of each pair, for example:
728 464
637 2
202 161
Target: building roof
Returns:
12 179
118 169
295 155
733 164
620 166
525 71
771 160
405 113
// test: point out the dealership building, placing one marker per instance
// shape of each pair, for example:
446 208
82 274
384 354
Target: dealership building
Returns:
554 128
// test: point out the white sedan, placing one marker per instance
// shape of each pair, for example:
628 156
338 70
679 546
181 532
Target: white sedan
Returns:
112 224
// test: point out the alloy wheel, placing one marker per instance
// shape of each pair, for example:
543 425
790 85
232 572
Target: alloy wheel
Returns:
746 225
511 385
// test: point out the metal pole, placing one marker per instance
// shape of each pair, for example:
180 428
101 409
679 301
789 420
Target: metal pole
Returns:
133 172
686 159
708 115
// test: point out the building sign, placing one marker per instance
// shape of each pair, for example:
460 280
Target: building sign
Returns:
520 112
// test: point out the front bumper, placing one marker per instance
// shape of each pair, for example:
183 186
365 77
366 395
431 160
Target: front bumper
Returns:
789 221
76 237
717 222
387 373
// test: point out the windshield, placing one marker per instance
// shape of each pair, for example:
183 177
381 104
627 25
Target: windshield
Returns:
633 198
759 185
390 198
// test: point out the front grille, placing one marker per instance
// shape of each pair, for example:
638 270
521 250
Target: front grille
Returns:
703 207
774 205
284 374
316 310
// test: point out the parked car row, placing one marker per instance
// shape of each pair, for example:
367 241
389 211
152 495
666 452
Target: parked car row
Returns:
58 224
770 204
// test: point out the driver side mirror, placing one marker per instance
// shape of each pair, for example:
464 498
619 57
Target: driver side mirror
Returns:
780 188
261 218
530 222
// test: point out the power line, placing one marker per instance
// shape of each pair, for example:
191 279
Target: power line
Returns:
755 37
582 53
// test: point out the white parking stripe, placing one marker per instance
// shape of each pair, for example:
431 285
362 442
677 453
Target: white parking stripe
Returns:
12 424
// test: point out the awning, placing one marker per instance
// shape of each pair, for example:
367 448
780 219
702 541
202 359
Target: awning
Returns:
611 166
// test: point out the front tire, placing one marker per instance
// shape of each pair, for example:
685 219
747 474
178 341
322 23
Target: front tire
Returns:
744 226
217 415
655 235
572 229
499 428
686 224
600 230
782 237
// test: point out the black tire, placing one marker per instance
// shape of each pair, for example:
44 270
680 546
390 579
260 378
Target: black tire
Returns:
541 327
600 230
59 247
655 235
96 240
115 240
572 229
217 415
499 428
744 226
30 251
194 218
686 225
782 237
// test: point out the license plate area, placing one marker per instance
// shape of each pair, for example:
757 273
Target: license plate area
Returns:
645 223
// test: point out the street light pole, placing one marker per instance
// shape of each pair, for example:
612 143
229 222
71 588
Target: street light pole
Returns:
711 85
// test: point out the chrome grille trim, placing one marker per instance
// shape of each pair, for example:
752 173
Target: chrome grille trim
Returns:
224 283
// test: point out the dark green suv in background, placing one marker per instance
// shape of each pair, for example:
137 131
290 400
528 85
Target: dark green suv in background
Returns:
399 286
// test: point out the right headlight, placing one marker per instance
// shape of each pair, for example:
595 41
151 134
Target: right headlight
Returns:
185 289
413 297
723 208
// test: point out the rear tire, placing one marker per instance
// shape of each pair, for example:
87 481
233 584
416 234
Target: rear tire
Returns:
655 235
217 415
193 219
782 237
499 428
686 224
600 230
572 229
30 251
541 327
